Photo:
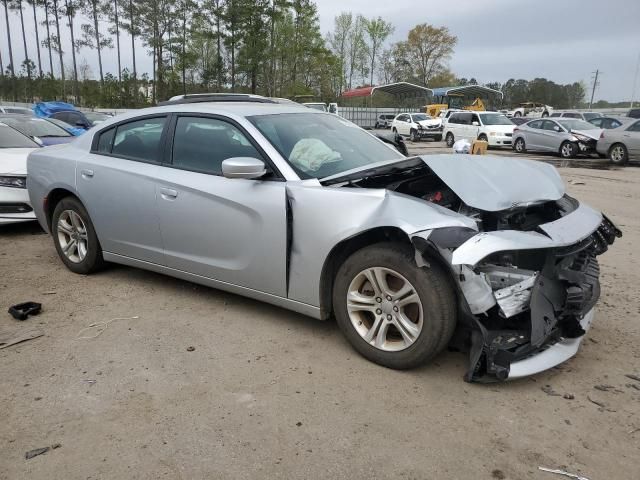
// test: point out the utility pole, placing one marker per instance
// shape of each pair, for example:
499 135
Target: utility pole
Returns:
635 82
595 84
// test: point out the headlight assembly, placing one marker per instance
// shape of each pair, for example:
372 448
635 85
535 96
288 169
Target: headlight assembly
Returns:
14 182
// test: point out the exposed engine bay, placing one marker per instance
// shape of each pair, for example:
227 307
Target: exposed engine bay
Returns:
513 303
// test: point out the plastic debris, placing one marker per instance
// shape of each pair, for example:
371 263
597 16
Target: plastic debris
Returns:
562 472
22 310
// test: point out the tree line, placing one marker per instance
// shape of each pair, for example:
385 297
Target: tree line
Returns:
269 47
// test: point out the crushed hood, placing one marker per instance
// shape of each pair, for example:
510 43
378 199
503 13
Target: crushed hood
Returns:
14 160
594 133
493 183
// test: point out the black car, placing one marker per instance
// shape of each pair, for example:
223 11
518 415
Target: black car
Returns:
634 113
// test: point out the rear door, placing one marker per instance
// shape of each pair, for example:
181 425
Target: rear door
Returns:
631 139
231 230
533 135
117 184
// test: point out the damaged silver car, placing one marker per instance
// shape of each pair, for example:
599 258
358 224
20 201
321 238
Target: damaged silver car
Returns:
309 212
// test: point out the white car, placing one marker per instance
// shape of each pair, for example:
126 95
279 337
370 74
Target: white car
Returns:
417 126
492 127
14 198
18 110
530 110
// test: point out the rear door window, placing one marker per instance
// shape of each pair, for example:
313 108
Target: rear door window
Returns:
535 124
634 128
139 140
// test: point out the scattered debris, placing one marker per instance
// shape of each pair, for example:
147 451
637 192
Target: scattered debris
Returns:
299 424
633 377
90 382
22 310
568 396
603 388
191 349
561 472
602 405
35 452
548 389
51 292
499 474
101 326
576 182
633 385
7 340
631 432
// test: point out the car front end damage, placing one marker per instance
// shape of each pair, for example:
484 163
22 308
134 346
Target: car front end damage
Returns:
527 304
527 275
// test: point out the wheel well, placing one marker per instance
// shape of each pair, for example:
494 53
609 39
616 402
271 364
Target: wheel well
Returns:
53 199
343 250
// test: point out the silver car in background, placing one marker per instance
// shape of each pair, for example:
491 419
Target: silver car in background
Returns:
307 211
622 143
567 137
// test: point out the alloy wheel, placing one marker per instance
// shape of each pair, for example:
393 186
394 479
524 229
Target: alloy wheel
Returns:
567 150
617 154
385 309
72 236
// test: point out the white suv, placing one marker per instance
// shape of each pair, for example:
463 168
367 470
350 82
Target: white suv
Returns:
417 126
492 127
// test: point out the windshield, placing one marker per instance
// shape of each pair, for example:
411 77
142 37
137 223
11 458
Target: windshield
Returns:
591 115
418 117
317 106
97 117
575 124
317 146
10 138
36 127
494 119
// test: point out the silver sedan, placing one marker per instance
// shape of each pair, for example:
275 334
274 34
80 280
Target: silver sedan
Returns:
307 211
621 143
566 137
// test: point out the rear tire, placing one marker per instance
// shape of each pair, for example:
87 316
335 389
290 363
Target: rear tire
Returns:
412 327
517 114
75 238
618 154
568 150
483 138
449 139
438 138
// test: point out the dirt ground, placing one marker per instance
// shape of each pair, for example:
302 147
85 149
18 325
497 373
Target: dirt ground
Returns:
267 393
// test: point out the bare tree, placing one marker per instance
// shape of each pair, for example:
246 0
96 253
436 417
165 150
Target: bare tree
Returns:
35 23
377 31
70 11
57 12
11 64
47 42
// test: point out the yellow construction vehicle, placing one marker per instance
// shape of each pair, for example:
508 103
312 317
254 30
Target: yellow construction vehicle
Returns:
456 102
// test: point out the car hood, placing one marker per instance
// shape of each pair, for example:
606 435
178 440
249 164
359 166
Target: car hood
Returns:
594 134
500 128
484 182
14 160
493 183
430 122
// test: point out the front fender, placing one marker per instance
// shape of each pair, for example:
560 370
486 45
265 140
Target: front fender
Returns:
323 217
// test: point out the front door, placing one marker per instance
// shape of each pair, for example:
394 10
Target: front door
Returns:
231 230
117 183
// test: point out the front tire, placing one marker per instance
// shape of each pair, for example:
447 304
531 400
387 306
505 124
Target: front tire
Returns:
483 138
449 139
517 114
438 138
75 238
413 136
568 150
618 154
393 312
519 146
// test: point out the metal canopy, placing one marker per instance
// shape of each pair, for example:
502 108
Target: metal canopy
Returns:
466 90
400 89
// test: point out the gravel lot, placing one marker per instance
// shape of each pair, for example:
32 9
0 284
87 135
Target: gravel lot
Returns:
266 393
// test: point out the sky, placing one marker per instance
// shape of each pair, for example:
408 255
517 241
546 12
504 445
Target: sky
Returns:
562 40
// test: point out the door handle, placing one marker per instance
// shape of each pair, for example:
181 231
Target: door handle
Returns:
168 193
86 173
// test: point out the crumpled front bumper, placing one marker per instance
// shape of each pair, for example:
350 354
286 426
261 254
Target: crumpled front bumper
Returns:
551 356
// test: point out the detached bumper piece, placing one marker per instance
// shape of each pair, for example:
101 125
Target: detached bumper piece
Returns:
560 311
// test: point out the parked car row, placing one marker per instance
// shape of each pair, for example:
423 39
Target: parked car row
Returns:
489 255
615 138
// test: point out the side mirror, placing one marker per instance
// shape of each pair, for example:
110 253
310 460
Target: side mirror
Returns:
475 124
556 128
243 167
